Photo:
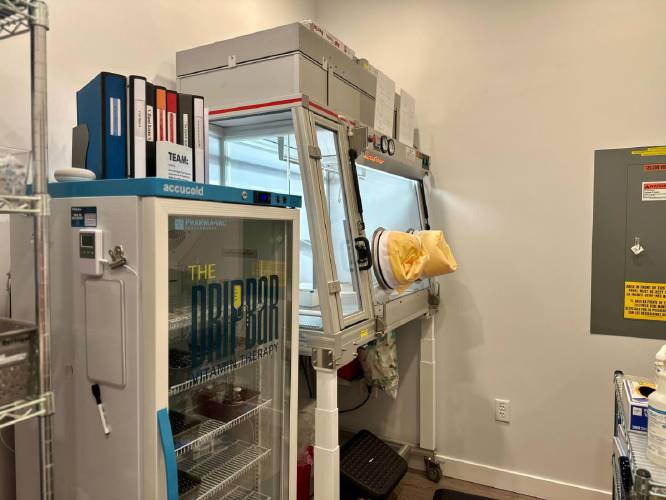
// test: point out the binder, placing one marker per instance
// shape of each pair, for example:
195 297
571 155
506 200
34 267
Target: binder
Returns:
200 139
136 126
101 105
160 108
206 146
151 119
172 115
185 124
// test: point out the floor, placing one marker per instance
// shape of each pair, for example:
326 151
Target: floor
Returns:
415 486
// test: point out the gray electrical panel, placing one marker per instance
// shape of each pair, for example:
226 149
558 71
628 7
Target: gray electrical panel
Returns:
629 243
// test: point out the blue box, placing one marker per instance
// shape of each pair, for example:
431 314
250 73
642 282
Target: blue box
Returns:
635 404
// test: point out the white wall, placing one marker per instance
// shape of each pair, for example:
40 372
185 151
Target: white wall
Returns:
513 98
123 36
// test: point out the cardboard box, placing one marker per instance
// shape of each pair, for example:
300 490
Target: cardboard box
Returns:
635 403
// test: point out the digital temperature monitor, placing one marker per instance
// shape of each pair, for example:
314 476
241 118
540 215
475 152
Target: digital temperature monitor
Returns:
90 252
262 197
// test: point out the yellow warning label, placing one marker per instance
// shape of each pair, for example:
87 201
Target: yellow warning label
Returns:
238 299
651 151
645 300
364 333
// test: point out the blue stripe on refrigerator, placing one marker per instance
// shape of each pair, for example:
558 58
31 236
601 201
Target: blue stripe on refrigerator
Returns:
169 453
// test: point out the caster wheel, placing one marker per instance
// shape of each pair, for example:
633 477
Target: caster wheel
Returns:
433 469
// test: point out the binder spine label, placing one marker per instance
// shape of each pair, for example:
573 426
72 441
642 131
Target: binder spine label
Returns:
149 124
161 125
115 118
139 119
199 133
172 126
186 130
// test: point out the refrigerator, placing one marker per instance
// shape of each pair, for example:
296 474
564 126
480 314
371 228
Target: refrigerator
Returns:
175 309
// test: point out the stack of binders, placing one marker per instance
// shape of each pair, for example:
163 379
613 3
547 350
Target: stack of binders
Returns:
128 117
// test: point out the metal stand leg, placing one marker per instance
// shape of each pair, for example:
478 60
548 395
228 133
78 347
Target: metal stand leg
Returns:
427 397
38 29
427 384
327 449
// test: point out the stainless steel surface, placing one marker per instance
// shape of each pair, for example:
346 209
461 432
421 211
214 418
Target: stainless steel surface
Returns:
343 345
405 162
404 309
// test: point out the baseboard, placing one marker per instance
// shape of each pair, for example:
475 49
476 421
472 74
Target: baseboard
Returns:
517 482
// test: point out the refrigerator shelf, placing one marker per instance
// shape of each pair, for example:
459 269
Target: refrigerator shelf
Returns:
240 493
180 319
210 428
212 375
224 467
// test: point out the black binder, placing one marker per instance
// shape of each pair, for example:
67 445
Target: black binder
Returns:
151 115
185 120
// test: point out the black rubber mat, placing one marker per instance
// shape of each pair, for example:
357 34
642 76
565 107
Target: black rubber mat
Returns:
445 494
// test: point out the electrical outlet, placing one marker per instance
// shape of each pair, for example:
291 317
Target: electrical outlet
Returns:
503 410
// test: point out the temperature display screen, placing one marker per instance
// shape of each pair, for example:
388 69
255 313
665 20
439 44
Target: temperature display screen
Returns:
87 240
262 197
87 245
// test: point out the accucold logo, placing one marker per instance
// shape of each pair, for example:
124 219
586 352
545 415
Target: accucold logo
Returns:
190 190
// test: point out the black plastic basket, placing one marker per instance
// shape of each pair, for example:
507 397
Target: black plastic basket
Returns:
369 468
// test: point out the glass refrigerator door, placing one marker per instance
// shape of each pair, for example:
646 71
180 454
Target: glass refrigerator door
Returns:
230 355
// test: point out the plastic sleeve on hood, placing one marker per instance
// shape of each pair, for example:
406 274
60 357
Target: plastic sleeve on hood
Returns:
441 259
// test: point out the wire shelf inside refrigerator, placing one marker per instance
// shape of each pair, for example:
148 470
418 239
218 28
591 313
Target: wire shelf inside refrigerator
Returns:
211 428
213 373
180 319
240 493
221 468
